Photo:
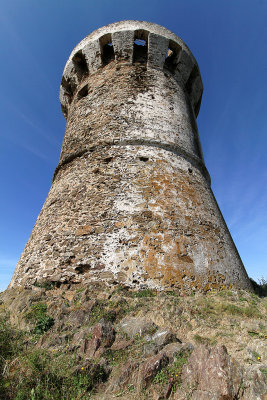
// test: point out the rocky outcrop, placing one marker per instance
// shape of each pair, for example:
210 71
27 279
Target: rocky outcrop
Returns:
103 337
210 374
130 345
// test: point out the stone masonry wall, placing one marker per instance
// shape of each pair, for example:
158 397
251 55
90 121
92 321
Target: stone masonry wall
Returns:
131 199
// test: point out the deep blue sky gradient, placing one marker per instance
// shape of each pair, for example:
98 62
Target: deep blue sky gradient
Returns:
228 39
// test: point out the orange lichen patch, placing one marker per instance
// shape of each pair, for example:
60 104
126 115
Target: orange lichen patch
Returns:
215 281
119 224
84 230
165 187
167 261
163 256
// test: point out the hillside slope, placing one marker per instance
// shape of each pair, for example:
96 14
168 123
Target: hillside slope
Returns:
94 342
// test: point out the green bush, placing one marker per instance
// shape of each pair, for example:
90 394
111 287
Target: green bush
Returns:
260 288
43 324
38 315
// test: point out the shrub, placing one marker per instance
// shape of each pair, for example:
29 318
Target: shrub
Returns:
261 287
38 315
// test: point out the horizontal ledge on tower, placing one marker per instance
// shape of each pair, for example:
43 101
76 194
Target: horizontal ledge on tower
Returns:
173 148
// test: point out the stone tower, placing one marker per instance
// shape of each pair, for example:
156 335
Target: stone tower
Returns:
131 200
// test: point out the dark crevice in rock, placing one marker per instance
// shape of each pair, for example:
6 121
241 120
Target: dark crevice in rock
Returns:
81 269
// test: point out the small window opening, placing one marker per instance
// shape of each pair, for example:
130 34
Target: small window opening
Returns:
83 92
80 64
172 55
107 49
144 159
140 46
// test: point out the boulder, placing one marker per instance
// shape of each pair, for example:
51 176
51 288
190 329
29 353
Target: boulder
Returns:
136 326
163 337
172 349
210 374
103 336
121 343
123 377
149 369
150 349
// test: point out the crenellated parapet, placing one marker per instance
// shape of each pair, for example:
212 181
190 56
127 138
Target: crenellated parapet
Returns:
128 43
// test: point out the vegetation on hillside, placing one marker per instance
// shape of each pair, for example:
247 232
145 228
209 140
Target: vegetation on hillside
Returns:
48 357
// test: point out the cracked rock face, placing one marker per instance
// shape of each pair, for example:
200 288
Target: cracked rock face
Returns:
131 200
211 374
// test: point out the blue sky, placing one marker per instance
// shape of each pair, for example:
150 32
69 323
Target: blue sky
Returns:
228 39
